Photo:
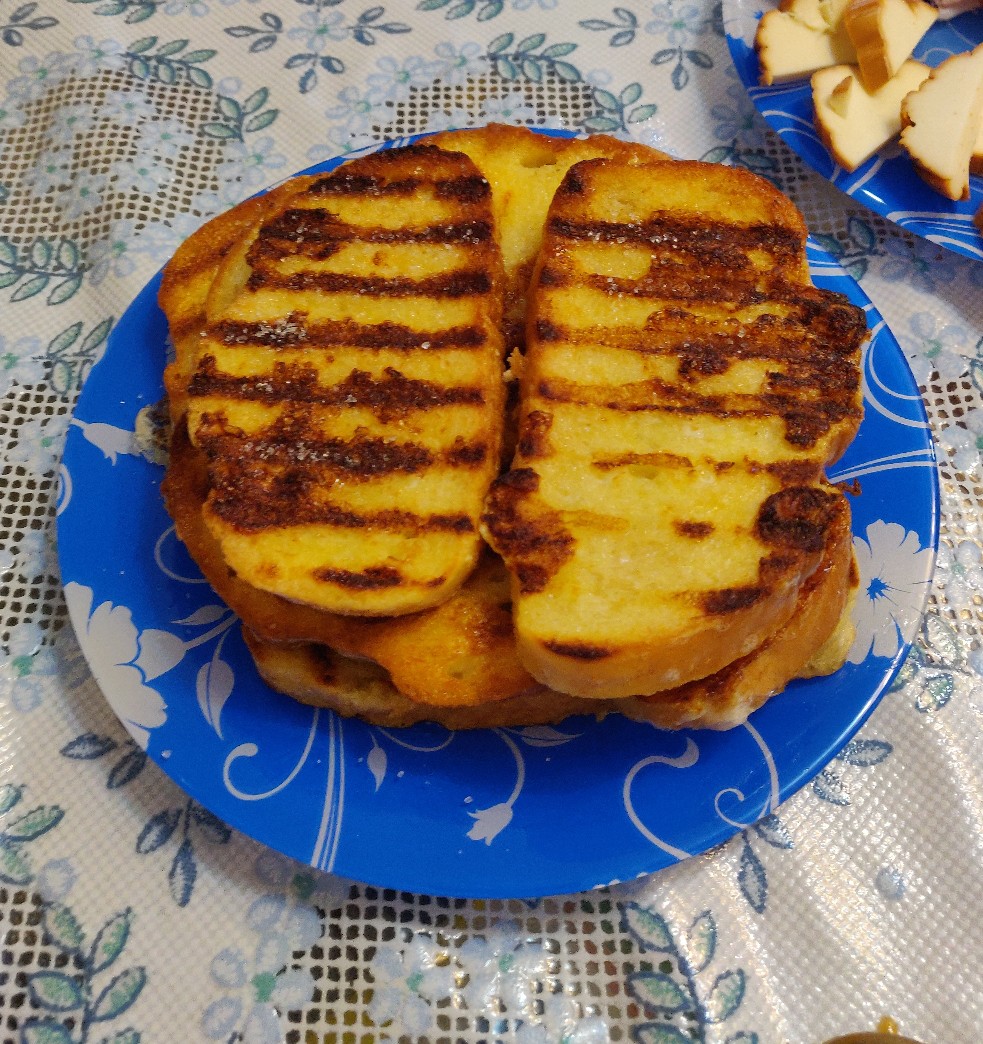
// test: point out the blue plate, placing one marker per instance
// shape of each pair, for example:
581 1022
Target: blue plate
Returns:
887 182
491 813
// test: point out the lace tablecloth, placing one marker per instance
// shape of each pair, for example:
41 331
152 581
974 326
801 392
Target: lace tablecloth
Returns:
127 910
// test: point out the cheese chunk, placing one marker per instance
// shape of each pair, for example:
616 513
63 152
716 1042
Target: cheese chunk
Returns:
792 49
853 121
821 15
884 34
941 122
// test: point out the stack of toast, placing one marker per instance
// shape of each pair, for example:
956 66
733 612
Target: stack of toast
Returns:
498 428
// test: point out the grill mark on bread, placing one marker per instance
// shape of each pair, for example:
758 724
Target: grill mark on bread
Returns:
467 188
823 319
294 331
695 530
250 505
533 441
294 441
578 650
371 579
730 599
454 284
389 395
703 283
657 459
310 230
805 422
530 536
701 237
788 472
797 518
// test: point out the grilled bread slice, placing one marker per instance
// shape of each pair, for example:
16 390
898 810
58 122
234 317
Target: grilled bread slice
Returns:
457 663
814 642
347 389
524 170
460 652
683 390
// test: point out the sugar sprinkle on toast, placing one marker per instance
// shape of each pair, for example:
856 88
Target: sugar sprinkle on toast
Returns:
347 390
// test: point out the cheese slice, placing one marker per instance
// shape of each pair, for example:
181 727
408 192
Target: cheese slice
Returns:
884 34
821 15
792 49
853 121
941 123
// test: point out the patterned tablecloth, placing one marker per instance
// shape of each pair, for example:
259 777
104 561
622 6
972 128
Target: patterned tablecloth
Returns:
127 910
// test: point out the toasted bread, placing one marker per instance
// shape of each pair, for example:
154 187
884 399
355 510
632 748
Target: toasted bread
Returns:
941 121
524 169
347 390
814 642
456 663
684 388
